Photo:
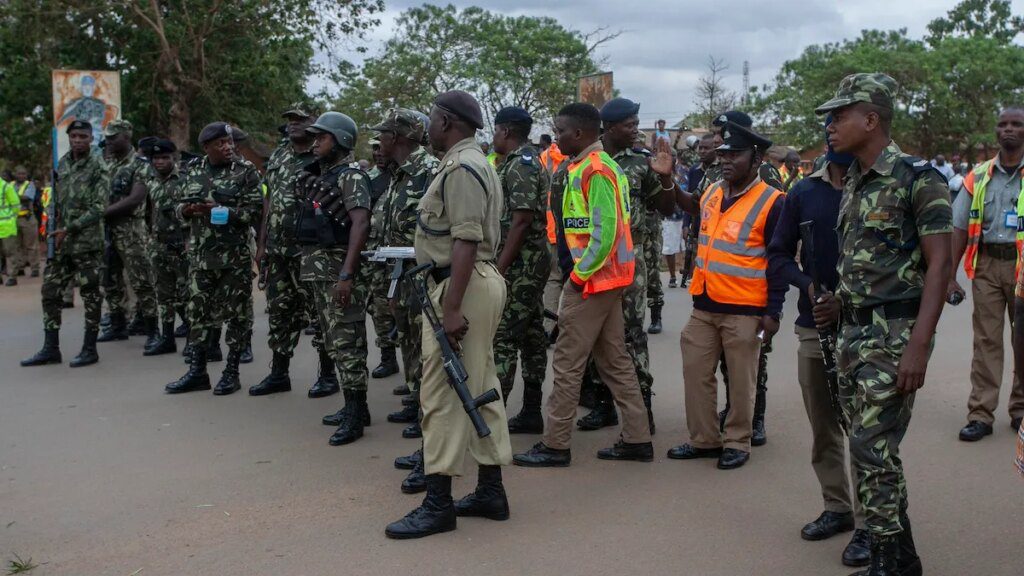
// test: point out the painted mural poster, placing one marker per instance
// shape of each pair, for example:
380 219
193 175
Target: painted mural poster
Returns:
595 89
90 95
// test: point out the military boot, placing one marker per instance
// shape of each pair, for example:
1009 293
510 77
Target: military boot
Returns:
152 334
88 354
909 562
602 415
338 417
646 394
326 381
278 379
401 390
435 515
246 356
182 330
196 378
105 320
213 352
488 500
137 327
884 557
410 412
655 327
409 462
49 353
229 382
351 428
116 330
388 364
529 420
414 430
165 344
758 437
416 481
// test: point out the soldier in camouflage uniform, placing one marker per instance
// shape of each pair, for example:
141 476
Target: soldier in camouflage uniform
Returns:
383 320
125 217
895 223
524 261
332 225
221 200
78 199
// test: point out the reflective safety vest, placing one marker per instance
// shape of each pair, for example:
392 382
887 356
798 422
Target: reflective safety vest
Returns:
784 172
552 159
732 251
9 205
596 225
975 185
21 193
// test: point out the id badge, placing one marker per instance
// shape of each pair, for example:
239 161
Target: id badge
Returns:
1010 219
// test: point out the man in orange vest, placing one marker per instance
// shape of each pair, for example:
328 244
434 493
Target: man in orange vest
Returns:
735 307
593 228
552 159
985 231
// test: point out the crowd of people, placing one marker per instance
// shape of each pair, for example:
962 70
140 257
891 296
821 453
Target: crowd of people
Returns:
556 245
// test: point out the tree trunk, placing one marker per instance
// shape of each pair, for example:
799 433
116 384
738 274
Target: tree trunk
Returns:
179 119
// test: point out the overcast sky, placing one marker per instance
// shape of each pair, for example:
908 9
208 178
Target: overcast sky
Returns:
665 44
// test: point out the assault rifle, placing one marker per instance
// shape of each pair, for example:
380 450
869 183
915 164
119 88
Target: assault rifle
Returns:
396 254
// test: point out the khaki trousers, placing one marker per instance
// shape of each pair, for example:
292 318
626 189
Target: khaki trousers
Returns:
447 431
704 339
553 287
828 445
592 325
992 290
28 241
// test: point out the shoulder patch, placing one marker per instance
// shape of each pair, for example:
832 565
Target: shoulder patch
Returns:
526 159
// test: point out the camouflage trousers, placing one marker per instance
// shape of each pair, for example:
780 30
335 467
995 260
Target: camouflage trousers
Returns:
85 269
652 258
170 268
343 329
288 304
520 336
409 322
877 415
633 311
377 304
219 296
131 243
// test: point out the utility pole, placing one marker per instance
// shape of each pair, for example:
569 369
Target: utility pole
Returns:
746 82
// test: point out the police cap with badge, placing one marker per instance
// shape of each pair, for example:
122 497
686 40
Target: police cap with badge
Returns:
738 134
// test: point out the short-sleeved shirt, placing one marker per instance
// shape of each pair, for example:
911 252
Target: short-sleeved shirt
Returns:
464 202
1001 195
283 170
124 174
880 226
525 184
322 264
644 188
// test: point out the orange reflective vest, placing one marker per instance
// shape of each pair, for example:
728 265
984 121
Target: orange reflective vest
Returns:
732 251
552 159
975 184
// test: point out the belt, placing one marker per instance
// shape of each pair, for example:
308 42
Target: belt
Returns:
440 274
1007 251
891 311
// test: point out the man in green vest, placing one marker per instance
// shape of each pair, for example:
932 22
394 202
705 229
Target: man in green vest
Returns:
9 229
28 226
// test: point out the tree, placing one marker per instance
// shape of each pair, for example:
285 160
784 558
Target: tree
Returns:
977 19
711 97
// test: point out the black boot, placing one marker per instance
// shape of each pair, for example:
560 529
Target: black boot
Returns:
401 390
410 412
229 382
196 378
655 327
416 481
152 334
488 500
246 356
182 330
884 557
603 415
186 351
213 353
529 420
758 437
338 417
49 353
326 381
409 462
165 344
435 515
88 354
351 428
137 327
647 403
278 379
388 364
909 562
116 330
105 320
413 430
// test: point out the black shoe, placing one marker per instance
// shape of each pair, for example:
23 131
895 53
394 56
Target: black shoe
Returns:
388 364
602 416
758 436
334 419
326 381
11 281
690 452
672 282
152 334
246 356
401 390
405 415
721 418
588 397
195 379
116 330
540 456
646 394
181 331
529 420
827 525
351 427
416 481
655 327
732 458
435 515
49 353
409 462
164 342
858 552
975 431
277 381
410 400
88 354
229 382
137 327
1015 424
488 500
643 452
413 430
884 557
105 320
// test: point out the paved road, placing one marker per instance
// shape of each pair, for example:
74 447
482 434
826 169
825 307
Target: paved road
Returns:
102 474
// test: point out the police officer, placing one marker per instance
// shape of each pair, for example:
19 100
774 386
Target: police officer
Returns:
220 199
458 231
524 262
79 197
168 248
333 223
895 224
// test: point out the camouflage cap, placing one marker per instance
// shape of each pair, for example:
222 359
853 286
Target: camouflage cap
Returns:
403 122
874 88
115 127
300 109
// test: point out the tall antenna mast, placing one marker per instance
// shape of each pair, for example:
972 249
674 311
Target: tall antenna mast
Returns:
746 81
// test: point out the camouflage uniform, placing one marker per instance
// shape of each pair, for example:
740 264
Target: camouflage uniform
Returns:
525 184
220 257
880 223
129 239
653 241
377 275
80 193
168 247
771 176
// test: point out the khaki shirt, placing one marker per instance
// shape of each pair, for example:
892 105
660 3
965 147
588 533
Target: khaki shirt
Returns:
464 202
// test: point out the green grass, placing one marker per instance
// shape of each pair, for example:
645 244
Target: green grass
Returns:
19 566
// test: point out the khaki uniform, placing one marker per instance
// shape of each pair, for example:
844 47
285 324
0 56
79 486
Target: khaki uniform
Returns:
464 202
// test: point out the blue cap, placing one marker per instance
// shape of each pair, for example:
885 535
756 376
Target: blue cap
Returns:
512 114
734 116
618 109
214 131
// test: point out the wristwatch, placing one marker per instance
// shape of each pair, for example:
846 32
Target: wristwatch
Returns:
345 276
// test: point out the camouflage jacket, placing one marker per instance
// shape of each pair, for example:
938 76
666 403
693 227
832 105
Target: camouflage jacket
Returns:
236 186
771 176
283 170
712 174
124 174
323 264
398 211
884 211
644 187
80 196
380 180
525 184
163 193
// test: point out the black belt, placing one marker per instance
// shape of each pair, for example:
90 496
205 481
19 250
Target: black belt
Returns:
1006 251
891 311
440 274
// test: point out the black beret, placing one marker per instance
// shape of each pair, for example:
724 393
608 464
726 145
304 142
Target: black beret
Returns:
214 131
734 116
463 105
512 114
79 125
162 146
146 142
618 109
738 137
